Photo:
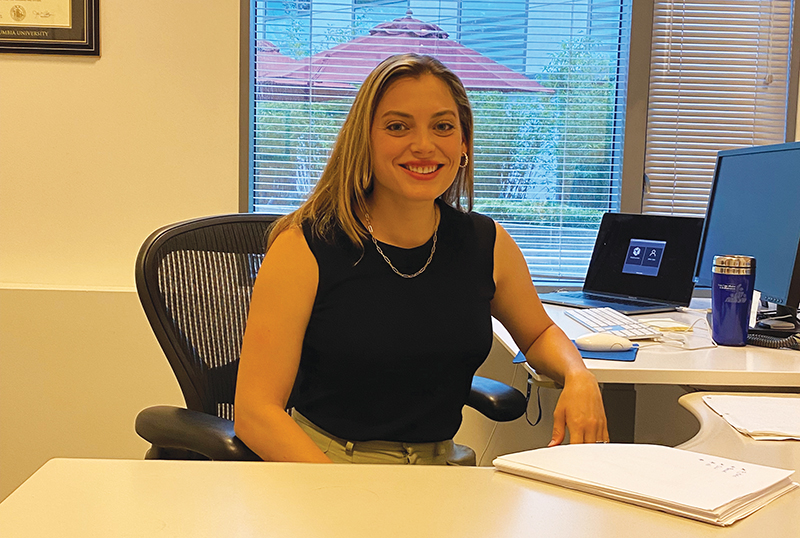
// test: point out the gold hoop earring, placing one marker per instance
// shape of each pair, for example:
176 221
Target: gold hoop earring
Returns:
464 160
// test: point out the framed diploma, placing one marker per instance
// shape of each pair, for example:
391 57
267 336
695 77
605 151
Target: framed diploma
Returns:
49 26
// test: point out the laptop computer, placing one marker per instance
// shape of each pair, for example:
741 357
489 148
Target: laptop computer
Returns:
640 263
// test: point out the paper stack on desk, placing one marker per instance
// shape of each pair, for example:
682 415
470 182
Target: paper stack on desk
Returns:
707 488
762 417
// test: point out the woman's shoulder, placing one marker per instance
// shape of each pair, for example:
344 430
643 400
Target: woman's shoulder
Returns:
290 242
289 262
291 235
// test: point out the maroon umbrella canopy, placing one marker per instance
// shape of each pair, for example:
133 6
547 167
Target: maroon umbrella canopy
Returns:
270 62
351 62
271 82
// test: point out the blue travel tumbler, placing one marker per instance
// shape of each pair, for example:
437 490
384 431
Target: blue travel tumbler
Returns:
732 282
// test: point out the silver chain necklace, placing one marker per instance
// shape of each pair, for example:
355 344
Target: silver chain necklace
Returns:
386 258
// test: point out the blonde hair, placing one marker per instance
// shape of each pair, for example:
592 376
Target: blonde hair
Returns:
342 190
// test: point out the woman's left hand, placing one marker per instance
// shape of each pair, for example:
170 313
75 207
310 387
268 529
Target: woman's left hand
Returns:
580 410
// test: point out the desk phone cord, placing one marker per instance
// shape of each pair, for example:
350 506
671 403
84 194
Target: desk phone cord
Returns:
792 342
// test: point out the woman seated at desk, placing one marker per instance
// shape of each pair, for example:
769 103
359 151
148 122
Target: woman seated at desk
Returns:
374 300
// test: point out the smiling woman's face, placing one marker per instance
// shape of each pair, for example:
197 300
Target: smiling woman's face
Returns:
416 140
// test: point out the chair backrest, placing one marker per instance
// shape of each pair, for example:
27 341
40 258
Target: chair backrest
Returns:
194 280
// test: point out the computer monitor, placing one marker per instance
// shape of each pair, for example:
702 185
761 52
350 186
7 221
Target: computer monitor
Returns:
754 210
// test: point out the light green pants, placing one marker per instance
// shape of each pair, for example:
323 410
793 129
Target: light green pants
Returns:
343 451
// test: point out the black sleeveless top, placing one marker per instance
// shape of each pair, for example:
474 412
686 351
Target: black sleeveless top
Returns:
389 358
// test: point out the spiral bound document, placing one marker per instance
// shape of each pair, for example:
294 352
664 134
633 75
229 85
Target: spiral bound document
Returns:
707 488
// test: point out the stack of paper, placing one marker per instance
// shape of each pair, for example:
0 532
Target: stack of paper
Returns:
771 418
707 488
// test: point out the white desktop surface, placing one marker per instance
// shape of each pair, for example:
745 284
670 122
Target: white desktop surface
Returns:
669 365
104 498
719 438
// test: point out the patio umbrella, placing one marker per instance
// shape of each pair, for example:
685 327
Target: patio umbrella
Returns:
352 61
272 84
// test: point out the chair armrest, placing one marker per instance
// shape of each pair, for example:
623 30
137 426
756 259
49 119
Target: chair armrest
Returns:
496 400
176 427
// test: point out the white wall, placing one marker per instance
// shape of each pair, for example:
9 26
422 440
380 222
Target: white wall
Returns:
76 367
95 153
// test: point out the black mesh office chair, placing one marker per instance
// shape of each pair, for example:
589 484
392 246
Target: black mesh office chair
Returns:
194 280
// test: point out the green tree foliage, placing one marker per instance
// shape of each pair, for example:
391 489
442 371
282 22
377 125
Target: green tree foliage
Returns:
579 119
534 152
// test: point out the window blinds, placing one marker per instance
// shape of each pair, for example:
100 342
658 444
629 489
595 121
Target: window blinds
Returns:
547 163
718 80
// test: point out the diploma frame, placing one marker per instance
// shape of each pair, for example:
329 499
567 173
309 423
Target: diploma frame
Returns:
82 37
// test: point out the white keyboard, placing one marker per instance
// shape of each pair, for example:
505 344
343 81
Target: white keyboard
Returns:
608 320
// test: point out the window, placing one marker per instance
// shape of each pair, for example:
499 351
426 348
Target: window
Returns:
548 162
719 79
547 147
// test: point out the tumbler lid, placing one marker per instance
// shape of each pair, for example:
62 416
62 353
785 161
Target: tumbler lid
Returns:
744 264
734 261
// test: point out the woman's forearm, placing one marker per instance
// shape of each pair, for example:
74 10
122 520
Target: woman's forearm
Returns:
580 406
272 434
554 355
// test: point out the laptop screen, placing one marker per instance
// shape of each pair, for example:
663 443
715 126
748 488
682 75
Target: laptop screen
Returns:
645 256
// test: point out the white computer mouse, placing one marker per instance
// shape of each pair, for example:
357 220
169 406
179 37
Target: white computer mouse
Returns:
603 342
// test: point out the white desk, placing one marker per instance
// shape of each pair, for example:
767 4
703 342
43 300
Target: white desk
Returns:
105 498
747 366
718 438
